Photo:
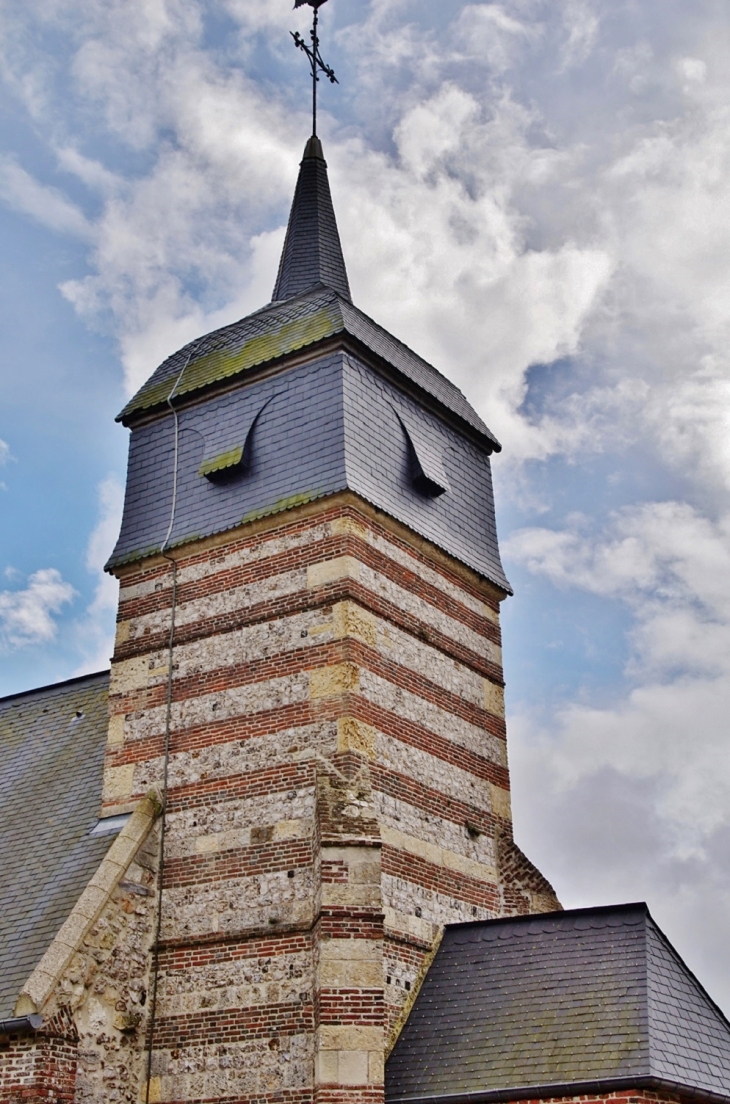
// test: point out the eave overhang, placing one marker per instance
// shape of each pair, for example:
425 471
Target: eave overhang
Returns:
311 325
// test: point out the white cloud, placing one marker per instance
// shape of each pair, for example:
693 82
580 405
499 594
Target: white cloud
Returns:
540 182
88 170
48 206
648 768
27 616
95 631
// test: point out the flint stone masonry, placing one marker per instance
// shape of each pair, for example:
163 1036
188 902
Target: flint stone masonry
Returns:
94 1016
310 681
337 792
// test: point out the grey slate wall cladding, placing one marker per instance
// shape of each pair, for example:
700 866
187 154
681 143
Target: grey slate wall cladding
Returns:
558 999
462 520
296 450
50 790
330 425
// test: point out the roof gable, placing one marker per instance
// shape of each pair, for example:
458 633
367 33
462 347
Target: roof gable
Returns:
546 1003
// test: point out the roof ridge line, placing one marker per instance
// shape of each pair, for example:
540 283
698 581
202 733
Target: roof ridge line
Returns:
690 973
54 685
588 910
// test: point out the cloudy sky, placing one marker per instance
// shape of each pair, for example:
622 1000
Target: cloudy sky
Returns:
546 191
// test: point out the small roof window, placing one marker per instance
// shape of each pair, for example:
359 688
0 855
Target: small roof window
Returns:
233 462
110 826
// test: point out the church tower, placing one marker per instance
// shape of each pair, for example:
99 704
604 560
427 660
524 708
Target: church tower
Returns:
303 867
308 674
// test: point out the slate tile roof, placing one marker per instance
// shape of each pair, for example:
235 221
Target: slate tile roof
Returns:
328 425
290 327
311 304
52 746
514 1007
312 254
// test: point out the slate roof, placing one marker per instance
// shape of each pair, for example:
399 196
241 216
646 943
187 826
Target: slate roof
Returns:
52 746
312 255
311 304
558 1004
279 330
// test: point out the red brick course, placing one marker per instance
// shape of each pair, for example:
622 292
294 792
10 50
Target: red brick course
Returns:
325 786
240 862
303 660
350 1006
227 1025
35 1068
449 883
233 949
211 558
432 801
298 559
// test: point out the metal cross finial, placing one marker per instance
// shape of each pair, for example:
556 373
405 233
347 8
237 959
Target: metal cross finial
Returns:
315 58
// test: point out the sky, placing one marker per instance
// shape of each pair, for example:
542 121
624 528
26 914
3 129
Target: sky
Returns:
546 192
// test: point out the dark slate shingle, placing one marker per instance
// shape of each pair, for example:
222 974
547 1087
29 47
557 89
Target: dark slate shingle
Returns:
312 255
325 426
563 999
289 327
52 744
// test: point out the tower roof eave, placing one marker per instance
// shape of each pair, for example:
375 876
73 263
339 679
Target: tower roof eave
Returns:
284 328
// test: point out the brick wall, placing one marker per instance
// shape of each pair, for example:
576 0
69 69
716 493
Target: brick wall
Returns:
625 1096
37 1068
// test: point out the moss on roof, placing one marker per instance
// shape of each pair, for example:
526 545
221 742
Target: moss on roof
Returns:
282 329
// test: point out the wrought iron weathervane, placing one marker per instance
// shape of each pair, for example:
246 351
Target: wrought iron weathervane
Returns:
315 58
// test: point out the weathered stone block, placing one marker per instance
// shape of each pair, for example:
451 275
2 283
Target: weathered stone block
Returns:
329 682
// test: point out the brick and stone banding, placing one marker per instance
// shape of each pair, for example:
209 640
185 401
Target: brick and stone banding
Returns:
338 791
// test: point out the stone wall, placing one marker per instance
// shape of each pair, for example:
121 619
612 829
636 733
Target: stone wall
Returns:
99 1004
338 791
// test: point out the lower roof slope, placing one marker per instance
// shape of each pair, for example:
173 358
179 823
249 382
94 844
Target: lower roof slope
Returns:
558 1004
52 746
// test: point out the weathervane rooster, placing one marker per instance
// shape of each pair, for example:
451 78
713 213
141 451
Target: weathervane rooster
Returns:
315 58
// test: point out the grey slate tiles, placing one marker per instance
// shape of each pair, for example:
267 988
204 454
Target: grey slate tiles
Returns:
52 746
563 999
366 415
312 255
291 327
325 426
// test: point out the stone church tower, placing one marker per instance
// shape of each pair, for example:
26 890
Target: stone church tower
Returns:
312 504
304 780
307 680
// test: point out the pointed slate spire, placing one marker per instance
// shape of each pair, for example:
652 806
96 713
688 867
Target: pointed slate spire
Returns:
312 255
